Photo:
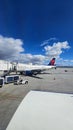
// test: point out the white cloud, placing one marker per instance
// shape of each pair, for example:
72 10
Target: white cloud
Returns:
10 47
56 49
47 41
29 58
63 62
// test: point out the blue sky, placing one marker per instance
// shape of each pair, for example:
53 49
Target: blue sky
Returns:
34 31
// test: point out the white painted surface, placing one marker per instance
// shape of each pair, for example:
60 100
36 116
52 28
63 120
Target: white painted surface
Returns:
44 111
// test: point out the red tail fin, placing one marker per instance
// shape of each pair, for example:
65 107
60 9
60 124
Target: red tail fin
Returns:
52 62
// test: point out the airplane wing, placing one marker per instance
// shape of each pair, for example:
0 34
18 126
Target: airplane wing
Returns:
44 111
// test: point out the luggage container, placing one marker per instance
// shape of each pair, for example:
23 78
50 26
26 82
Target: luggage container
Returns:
1 81
11 78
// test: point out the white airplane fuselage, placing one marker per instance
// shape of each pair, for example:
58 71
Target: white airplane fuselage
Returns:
24 67
28 69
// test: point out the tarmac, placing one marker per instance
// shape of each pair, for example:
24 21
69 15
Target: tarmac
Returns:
58 80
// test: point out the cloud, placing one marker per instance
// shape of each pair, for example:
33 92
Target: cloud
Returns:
56 49
10 47
29 58
63 62
48 41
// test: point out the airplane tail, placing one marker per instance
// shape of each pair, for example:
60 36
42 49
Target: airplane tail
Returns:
52 62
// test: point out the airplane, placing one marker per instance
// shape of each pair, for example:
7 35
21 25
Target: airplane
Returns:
30 70
24 69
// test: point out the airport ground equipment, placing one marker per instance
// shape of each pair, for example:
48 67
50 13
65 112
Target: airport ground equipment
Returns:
1 81
21 81
11 78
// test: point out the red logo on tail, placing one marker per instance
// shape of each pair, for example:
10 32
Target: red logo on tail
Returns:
52 62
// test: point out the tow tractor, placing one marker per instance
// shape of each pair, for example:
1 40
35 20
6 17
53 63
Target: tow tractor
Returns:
21 81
